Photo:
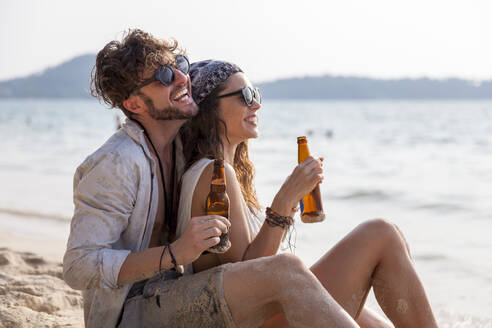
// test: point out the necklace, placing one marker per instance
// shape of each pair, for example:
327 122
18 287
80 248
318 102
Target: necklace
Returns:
167 208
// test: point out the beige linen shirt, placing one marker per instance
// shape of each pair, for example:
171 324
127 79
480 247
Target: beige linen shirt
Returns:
116 199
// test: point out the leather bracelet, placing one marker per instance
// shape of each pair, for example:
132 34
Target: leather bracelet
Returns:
160 260
173 259
276 220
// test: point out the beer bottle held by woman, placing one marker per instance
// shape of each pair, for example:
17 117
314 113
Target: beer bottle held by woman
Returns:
218 203
311 205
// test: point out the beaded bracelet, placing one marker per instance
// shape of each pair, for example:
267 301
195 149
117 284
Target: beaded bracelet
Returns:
276 220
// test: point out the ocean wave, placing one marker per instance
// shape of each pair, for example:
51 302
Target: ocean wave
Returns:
441 207
13 167
33 214
429 257
365 194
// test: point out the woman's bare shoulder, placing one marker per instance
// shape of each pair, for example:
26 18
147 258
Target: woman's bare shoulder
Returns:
232 184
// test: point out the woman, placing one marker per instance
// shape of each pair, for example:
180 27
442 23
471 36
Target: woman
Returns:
374 254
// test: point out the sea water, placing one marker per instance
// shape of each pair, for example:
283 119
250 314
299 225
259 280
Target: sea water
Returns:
424 165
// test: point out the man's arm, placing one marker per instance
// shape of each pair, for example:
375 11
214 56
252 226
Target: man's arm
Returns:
104 193
202 233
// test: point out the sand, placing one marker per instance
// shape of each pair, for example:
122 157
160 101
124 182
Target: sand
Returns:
33 294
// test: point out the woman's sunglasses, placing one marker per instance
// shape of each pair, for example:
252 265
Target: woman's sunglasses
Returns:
165 74
249 94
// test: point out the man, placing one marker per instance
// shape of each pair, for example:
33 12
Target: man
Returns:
125 197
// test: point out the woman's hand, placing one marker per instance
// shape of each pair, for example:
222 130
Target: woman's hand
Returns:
202 233
303 179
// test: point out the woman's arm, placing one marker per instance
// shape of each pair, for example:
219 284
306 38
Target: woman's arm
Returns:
267 242
242 245
302 180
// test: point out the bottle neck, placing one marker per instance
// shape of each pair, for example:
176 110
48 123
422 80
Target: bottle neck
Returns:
302 152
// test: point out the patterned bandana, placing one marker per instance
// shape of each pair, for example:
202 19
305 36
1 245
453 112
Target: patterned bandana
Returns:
206 75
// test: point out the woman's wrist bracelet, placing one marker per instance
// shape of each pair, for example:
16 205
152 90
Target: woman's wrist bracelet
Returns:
273 219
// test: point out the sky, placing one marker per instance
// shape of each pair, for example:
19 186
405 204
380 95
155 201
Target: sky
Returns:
268 39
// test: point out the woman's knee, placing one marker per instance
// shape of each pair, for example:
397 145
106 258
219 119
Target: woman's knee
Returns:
386 232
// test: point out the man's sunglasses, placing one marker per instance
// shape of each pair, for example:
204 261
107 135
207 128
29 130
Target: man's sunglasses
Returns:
165 74
249 94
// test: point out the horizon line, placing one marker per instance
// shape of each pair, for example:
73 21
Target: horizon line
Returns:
476 81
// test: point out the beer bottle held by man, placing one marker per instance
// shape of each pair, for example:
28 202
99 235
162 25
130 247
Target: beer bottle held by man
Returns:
311 205
218 203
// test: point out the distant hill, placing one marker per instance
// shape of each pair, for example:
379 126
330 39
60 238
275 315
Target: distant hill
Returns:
331 87
71 79
67 80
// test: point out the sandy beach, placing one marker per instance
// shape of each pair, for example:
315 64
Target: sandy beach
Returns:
32 292
431 177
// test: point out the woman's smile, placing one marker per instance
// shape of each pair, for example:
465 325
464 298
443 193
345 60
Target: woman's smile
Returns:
252 119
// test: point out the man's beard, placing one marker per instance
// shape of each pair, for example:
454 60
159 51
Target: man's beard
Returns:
166 114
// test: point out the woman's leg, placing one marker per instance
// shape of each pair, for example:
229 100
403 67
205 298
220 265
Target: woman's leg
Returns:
375 254
366 319
370 319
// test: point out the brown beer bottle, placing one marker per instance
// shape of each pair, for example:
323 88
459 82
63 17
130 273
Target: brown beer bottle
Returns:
218 203
311 206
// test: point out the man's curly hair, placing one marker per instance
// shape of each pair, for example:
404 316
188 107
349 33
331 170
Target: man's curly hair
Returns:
120 66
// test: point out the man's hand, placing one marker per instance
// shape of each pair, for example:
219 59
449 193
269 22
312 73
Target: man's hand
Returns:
202 233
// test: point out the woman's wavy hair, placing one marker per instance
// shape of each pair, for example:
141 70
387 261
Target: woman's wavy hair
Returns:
120 66
201 138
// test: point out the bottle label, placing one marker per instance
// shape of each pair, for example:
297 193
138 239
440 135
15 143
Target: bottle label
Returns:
220 212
